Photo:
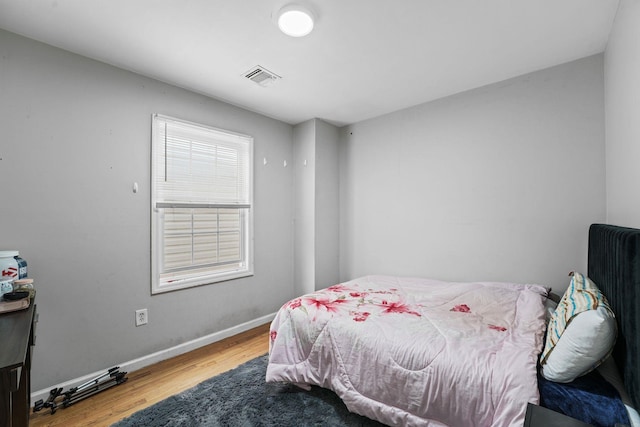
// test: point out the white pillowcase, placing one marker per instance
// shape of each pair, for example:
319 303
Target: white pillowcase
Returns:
586 341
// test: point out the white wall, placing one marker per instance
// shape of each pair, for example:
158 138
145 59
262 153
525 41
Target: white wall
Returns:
622 94
75 137
498 183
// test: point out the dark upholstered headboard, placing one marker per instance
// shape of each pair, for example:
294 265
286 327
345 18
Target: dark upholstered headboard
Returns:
614 266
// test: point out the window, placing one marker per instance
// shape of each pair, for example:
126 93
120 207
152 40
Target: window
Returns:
201 205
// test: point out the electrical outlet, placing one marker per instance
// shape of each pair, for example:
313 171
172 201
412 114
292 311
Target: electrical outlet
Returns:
142 317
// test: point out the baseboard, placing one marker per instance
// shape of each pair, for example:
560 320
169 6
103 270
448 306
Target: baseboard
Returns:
158 356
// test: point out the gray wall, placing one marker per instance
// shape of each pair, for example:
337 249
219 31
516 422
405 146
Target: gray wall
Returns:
327 203
75 137
317 214
304 153
499 183
622 89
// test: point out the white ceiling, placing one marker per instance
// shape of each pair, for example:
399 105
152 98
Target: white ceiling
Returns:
364 58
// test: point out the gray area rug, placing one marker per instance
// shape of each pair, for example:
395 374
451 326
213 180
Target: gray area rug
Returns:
241 397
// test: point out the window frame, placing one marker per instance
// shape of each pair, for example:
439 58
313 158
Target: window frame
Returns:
213 274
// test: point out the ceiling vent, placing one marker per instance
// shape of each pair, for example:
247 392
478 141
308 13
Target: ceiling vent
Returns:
261 76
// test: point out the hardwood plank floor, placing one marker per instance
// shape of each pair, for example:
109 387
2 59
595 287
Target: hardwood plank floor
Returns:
159 381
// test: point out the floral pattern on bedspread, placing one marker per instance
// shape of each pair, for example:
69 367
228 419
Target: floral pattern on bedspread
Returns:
349 300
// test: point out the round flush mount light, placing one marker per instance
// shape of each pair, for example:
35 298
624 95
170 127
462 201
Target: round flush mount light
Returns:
295 20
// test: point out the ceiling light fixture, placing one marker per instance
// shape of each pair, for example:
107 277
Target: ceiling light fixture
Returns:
295 20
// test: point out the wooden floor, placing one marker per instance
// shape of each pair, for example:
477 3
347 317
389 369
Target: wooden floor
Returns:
159 381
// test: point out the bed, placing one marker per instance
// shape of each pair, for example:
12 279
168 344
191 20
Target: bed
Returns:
415 351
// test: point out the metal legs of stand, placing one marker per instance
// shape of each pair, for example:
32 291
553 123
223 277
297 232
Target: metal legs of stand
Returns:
106 380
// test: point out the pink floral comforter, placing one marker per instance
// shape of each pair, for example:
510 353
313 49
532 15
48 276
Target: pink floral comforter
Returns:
408 351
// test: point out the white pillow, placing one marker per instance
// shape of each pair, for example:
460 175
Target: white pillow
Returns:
587 340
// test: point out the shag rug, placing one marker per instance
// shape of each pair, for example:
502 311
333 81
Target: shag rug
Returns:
241 397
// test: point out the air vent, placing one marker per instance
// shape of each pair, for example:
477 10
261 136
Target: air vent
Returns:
261 76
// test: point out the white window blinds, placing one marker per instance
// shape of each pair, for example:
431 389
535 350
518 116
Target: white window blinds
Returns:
201 204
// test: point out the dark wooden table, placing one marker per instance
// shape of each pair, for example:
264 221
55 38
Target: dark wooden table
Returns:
17 335
537 416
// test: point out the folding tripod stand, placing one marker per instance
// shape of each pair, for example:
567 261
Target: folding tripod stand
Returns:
100 383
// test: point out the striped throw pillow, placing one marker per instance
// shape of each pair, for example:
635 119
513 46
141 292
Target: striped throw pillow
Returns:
581 296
